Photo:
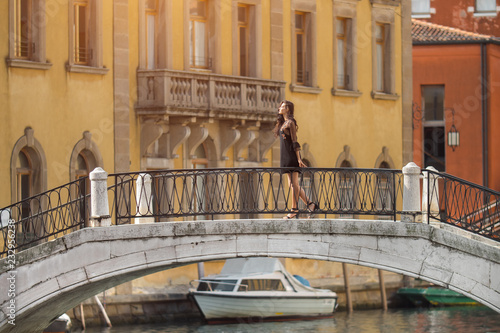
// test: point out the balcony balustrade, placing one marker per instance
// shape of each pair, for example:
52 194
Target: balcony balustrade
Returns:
183 93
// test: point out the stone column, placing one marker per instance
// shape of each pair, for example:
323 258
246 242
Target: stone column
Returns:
277 62
407 81
99 198
411 193
430 190
122 85
122 107
144 199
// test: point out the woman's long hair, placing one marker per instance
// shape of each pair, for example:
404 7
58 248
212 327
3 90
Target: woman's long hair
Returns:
281 120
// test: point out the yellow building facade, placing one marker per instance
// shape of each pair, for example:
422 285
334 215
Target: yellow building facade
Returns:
57 108
133 85
153 84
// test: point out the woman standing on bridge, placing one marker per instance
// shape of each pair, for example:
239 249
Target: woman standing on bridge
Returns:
286 128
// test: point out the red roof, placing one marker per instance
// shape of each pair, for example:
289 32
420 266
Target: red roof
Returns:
429 33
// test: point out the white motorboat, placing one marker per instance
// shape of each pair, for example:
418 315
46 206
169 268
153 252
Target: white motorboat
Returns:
259 289
61 324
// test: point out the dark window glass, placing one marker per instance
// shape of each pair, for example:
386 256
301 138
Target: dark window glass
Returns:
261 284
433 102
434 147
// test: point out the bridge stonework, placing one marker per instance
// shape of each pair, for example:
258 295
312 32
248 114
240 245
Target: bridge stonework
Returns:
56 276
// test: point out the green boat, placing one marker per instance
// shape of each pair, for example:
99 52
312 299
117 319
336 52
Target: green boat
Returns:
435 296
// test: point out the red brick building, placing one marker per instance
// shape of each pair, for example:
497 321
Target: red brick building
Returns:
456 88
479 16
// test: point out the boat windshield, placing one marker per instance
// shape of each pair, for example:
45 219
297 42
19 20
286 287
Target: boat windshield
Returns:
216 285
261 284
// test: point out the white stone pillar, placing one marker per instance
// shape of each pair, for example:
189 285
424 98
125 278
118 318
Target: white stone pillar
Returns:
99 198
411 193
430 184
144 199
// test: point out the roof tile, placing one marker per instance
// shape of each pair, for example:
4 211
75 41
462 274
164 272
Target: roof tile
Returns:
425 32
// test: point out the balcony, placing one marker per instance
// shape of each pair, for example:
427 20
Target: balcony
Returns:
181 93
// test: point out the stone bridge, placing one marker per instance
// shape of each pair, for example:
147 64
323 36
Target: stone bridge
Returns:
53 277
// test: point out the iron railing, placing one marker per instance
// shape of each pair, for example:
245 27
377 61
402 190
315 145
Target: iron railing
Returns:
44 216
248 192
462 204
161 196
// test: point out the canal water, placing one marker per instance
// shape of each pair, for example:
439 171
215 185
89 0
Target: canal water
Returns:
475 319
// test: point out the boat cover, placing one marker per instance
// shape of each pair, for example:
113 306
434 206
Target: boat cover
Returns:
263 265
246 266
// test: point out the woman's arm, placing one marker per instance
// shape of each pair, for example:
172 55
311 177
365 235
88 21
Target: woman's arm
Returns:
296 145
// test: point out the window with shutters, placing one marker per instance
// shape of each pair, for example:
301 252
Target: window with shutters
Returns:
27 34
86 37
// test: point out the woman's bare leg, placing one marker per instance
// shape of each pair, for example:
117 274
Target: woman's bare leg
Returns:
297 191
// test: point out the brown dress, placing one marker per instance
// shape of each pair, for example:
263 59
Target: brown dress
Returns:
288 155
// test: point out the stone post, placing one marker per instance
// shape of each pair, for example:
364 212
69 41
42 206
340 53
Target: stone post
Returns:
430 183
411 193
99 198
144 199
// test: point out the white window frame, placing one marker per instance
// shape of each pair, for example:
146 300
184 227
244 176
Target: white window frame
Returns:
94 64
421 8
386 16
490 7
163 46
214 40
489 12
347 11
310 85
255 34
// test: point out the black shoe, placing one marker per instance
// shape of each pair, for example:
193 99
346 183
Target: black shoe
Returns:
312 210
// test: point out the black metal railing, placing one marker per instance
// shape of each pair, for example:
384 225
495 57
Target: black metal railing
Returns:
168 195
249 192
463 204
44 216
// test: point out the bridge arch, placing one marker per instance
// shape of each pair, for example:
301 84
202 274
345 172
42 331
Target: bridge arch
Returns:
58 275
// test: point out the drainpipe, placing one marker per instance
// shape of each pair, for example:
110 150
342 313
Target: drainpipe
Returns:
484 111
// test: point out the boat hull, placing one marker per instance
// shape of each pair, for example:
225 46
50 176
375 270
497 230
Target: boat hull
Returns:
435 296
224 307
448 297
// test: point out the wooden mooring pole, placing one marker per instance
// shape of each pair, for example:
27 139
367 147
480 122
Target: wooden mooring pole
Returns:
383 294
82 316
105 315
347 288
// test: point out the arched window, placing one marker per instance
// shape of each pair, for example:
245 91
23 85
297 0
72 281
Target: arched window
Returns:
28 167
82 171
346 189
82 166
383 191
28 174
84 158
346 183
384 184
345 164
24 180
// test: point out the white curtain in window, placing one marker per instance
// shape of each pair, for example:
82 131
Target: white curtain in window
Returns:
380 67
200 55
486 5
340 63
151 42
420 6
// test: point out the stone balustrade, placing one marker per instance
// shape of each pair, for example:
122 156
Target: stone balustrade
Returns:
183 93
